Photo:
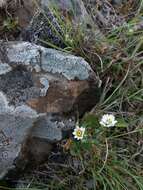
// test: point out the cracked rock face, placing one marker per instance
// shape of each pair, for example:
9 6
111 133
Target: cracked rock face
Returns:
38 87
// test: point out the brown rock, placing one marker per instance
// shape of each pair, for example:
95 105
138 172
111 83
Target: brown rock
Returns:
41 93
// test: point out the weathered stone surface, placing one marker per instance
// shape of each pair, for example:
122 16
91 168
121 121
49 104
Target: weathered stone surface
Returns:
42 28
117 2
48 26
45 25
24 12
75 7
38 87
2 3
14 126
104 14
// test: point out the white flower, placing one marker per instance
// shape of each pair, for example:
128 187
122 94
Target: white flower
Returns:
108 120
79 133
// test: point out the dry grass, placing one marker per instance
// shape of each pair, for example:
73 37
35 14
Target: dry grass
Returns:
107 159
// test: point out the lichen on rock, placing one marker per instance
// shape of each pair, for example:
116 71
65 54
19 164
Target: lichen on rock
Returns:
4 68
41 90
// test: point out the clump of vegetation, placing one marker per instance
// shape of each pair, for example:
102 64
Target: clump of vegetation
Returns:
10 24
103 157
106 158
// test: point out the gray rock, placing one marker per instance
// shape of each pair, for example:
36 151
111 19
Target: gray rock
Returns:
49 60
4 68
61 63
66 4
117 2
46 26
42 28
53 127
104 15
13 131
2 3
41 90
75 7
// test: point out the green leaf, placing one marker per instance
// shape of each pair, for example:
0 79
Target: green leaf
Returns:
122 123
91 121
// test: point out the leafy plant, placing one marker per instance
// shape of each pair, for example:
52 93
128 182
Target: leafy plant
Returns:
10 24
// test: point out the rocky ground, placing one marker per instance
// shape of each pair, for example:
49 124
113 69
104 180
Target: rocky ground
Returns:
65 64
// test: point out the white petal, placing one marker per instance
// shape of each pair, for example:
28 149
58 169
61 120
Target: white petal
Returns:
115 122
74 133
78 138
82 129
102 123
75 137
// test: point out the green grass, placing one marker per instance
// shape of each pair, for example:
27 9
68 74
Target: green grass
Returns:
110 159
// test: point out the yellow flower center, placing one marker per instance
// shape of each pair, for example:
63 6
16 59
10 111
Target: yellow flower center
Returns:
109 120
79 133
